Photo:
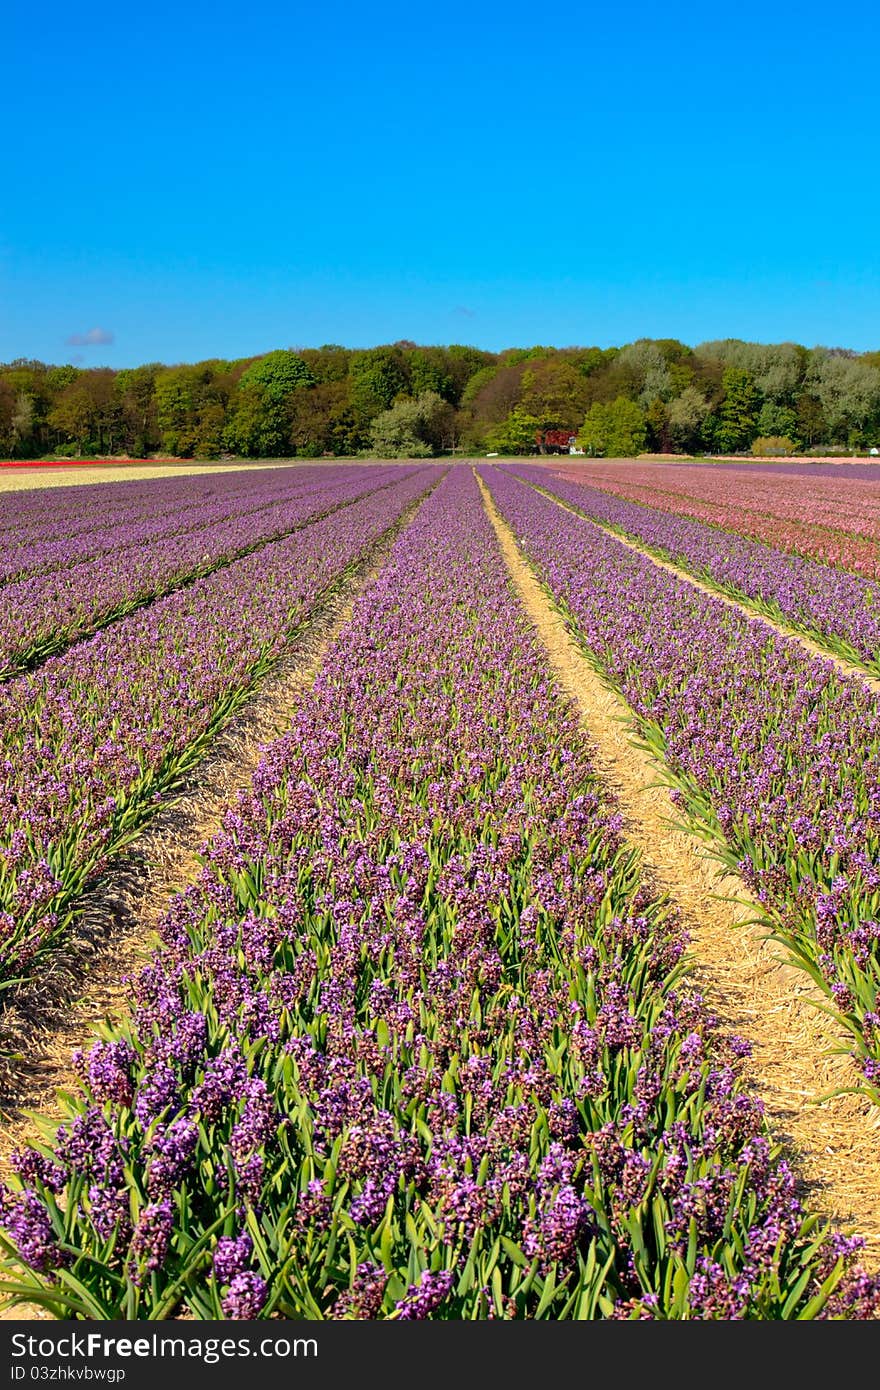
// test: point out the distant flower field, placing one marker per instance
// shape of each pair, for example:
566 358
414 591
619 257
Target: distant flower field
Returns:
420 1035
829 513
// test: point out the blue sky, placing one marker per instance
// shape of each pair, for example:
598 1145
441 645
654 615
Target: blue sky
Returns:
215 180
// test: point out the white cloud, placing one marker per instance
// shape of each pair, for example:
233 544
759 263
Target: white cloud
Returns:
95 337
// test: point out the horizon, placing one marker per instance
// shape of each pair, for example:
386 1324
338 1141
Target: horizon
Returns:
833 348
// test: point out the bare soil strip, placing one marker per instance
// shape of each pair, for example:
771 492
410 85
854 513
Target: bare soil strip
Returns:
834 1142
847 668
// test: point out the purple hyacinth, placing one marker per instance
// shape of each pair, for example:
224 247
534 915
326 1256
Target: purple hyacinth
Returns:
151 1240
232 1256
425 1297
246 1296
26 1219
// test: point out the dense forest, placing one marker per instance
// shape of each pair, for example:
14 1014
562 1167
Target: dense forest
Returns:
405 400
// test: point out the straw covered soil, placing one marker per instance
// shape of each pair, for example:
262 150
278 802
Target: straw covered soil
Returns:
834 1141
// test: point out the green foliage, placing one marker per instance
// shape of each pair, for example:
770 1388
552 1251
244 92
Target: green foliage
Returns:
257 424
193 408
718 396
811 423
657 426
463 363
416 428
328 363
591 360
615 430
258 427
427 367
555 392
321 420
513 356
848 390
776 420
476 383
135 390
773 444
737 420
86 412
686 416
277 374
376 379
59 377
516 435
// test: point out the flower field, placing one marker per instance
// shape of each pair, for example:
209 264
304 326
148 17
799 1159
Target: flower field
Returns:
774 752
813 514
40 538
85 756
421 1037
840 611
54 601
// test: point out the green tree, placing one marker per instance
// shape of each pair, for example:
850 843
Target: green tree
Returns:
617 429
22 429
463 363
7 410
257 426
686 415
28 381
192 404
87 414
59 377
777 421
376 378
737 421
328 363
812 427
776 368
848 390
258 420
136 391
428 372
657 426
276 375
516 435
322 420
412 428
555 392
476 382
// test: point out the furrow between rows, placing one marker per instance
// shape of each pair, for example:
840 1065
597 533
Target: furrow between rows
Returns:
741 603
798 1060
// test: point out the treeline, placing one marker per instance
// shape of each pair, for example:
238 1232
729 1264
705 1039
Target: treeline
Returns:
405 400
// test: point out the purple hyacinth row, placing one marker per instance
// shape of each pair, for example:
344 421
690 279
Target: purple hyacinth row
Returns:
49 514
35 543
89 739
774 751
418 1043
45 613
839 610
839 472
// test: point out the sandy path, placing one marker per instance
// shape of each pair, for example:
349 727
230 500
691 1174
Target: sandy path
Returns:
25 478
834 1142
